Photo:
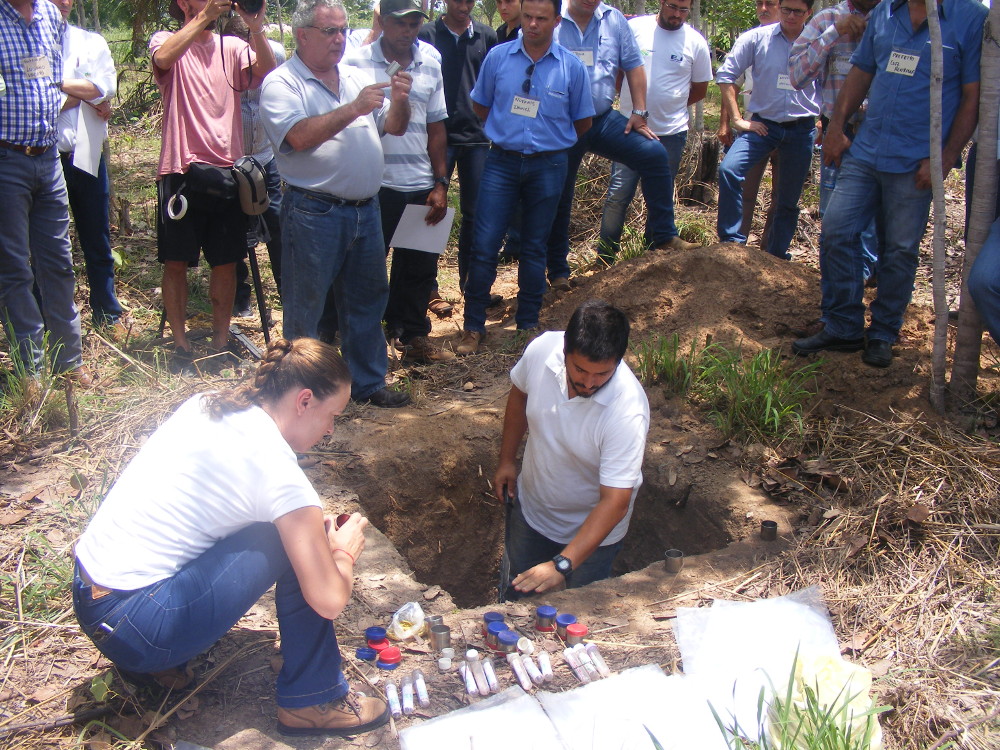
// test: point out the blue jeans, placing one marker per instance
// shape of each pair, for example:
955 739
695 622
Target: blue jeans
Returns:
869 237
607 138
863 193
167 623
326 245
621 191
470 160
35 248
794 142
89 197
508 179
524 548
984 282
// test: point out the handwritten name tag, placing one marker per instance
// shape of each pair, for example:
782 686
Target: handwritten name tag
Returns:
36 67
524 107
785 83
902 63
842 65
586 56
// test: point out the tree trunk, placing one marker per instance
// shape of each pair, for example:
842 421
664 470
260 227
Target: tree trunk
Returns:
699 108
969 337
97 17
938 364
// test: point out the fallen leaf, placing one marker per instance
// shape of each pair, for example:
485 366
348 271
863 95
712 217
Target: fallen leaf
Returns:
671 477
880 668
616 622
832 513
276 663
856 544
518 610
78 481
918 513
377 577
713 454
33 495
10 517
432 592
44 694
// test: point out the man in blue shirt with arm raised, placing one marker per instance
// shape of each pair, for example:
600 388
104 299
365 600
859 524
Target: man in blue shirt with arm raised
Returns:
533 96
885 171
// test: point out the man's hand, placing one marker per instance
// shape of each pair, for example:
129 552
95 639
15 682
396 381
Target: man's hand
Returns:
505 479
835 143
539 579
349 537
749 126
372 97
103 109
725 134
639 125
438 202
851 25
215 8
255 22
400 91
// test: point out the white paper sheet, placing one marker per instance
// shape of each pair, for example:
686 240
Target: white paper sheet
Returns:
414 233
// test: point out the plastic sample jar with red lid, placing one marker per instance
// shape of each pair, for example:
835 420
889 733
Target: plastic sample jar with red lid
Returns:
389 658
575 633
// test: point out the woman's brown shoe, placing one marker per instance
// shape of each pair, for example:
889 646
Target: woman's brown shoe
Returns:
353 714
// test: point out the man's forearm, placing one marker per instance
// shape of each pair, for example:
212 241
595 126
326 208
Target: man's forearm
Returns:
963 126
515 424
607 514
81 88
312 131
397 119
437 148
730 107
637 86
172 49
265 62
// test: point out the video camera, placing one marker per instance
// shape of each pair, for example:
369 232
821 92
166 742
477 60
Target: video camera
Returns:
251 6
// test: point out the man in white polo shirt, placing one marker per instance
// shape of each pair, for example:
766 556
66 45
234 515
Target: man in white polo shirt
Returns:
587 417
678 69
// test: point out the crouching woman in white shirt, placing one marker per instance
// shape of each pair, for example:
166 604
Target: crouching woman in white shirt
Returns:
211 513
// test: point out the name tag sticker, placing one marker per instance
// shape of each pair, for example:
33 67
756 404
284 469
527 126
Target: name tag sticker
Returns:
36 67
784 82
586 56
524 107
842 65
902 63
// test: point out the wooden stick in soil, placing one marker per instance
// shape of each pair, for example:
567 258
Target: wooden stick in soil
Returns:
62 721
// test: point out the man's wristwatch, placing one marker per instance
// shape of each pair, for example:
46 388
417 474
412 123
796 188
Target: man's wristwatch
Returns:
441 181
643 113
563 565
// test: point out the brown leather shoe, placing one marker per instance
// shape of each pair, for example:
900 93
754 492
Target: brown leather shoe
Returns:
82 377
562 284
441 308
469 343
353 714
677 243
420 349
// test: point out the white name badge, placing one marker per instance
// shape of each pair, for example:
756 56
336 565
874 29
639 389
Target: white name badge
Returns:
524 107
842 65
902 63
586 56
784 82
36 67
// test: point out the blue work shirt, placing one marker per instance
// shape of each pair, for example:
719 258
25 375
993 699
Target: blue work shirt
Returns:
605 47
558 84
765 49
895 135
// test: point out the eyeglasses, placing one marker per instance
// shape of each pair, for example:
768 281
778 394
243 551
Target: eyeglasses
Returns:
675 9
793 12
331 30
526 86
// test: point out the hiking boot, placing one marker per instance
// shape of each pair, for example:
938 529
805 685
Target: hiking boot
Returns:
441 308
386 398
677 244
353 714
469 343
878 353
561 284
82 377
824 341
420 349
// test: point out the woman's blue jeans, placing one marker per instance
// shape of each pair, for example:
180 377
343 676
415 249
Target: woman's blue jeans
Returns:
167 623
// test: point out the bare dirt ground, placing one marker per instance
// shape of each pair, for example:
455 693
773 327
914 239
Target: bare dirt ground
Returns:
422 475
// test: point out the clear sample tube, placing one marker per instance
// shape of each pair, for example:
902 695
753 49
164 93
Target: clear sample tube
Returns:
585 661
407 695
392 695
476 667
595 654
545 664
574 664
532 670
491 675
519 671
470 681
421 685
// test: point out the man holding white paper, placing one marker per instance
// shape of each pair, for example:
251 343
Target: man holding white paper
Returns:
415 173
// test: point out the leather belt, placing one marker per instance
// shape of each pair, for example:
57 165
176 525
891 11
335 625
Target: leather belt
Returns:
330 198
519 155
97 591
26 150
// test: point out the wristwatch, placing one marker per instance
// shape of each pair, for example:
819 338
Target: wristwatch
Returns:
643 113
441 181
563 565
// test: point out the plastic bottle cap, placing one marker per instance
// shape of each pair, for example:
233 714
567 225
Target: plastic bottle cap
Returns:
489 617
525 646
379 645
495 628
444 663
508 637
546 611
576 629
448 652
390 655
565 619
386 665
375 634
366 654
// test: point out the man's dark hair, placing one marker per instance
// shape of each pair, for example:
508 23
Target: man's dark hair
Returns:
598 331
556 5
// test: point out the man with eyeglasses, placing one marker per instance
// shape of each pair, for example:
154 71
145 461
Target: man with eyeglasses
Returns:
325 120
601 39
534 99
885 171
678 69
784 119
200 75
415 168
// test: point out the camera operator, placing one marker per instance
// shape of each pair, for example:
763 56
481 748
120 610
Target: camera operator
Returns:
200 75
